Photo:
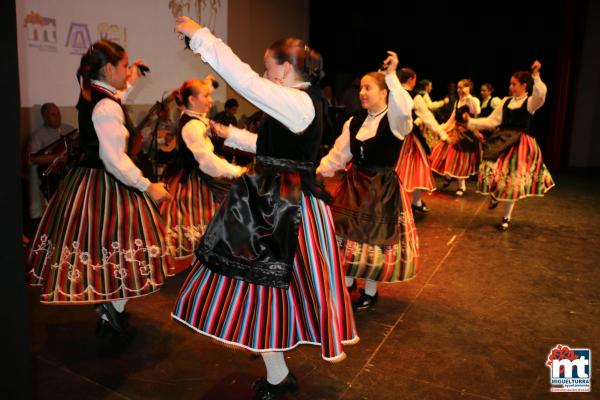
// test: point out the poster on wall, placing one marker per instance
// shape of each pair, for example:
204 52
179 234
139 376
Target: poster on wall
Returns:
52 36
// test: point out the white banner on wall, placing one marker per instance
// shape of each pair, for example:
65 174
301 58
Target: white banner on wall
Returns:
52 35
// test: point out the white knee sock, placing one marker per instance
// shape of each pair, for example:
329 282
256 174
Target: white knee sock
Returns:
416 197
371 287
508 209
119 305
462 184
349 281
277 369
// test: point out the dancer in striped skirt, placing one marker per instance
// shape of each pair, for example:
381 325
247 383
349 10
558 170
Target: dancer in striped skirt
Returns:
512 166
373 218
267 276
101 240
459 155
413 164
192 178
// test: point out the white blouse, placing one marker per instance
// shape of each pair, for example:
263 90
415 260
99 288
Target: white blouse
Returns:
469 101
494 102
432 105
109 122
195 136
399 116
534 102
292 107
427 118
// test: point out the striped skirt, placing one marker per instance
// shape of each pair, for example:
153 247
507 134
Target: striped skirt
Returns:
316 308
188 212
447 160
413 166
384 263
99 240
518 173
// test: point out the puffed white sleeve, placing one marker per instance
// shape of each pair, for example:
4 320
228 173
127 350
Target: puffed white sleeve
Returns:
292 107
241 139
194 136
495 102
427 117
109 123
474 105
538 97
339 155
491 121
400 106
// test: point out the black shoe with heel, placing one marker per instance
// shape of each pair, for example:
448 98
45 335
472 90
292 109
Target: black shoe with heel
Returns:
504 224
263 390
365 301
422 208
493 204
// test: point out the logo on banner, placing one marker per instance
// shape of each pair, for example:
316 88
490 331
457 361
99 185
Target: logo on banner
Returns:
78 38
113 32
570 369
41 31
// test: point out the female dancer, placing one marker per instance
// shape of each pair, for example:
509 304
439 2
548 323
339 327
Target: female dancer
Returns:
413 164
512 166
458 156
373 219
101 240
267 276
191 178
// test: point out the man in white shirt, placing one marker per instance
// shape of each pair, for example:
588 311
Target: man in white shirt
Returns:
52 130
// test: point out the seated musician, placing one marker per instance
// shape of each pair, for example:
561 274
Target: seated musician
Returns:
39 159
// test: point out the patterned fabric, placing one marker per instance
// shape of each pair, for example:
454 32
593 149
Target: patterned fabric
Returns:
447 160
315 309
187 212
518 173
413 166
388 263
98 240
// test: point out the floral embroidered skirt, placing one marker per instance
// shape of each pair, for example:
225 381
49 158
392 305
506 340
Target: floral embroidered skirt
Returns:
99 240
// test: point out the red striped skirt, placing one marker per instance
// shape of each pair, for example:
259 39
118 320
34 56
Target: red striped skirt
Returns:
315 309
447 160
99 240
188 212
413 167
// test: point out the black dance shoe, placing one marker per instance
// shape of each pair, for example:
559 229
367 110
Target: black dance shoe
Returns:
422 208
118 321
493 204
460 191
504 224
365 301
263 390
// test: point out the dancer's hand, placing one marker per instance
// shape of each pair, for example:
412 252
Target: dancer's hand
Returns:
158 192
186 27
219 129
535 68
136 71
465 117
390 63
